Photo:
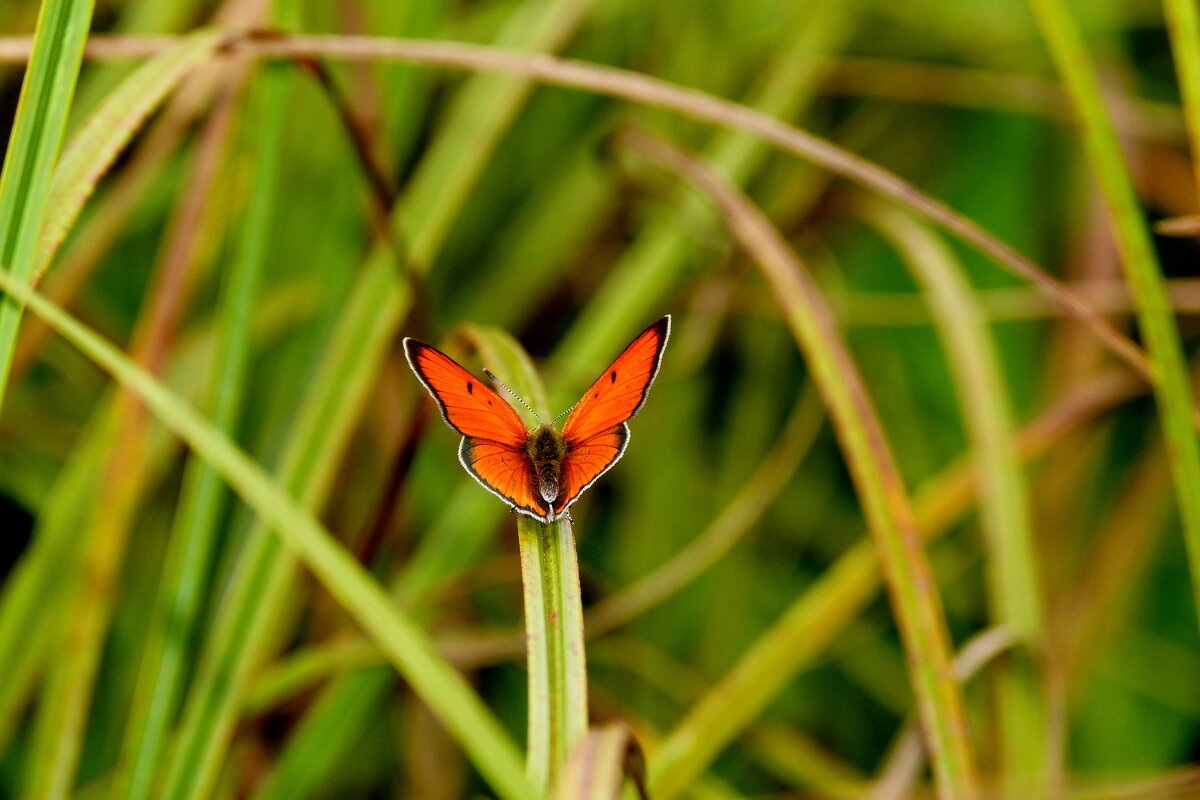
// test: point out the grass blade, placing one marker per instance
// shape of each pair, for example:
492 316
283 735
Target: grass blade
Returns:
193 541
36 136
1172 386
1183 23
1014 593
456 705
98 143
915 601
554 635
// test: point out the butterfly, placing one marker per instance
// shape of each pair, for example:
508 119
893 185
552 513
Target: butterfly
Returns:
541 472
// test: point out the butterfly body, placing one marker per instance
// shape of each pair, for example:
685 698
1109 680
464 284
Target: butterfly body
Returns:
541 472
546 449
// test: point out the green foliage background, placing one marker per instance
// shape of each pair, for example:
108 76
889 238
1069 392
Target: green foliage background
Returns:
499 204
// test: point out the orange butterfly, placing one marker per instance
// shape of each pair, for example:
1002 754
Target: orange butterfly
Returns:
541 472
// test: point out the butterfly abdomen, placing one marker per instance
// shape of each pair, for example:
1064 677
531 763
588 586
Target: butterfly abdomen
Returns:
546 449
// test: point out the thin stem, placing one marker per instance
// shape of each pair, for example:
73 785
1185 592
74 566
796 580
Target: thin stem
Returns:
660 94
1172 386
554 638
885 500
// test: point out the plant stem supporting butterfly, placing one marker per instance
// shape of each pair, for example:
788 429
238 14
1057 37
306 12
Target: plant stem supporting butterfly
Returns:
554 640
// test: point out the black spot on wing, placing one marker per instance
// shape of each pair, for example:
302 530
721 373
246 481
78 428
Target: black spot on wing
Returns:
613 377
470 388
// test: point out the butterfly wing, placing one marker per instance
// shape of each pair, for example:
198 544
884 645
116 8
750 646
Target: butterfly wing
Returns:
468 406
595 431
586 461
504 472
494 435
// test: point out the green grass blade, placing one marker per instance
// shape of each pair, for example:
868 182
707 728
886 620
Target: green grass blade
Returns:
1013 590
33 147
885 501
45 574
316 438
1172 386
192 547
1183 23
554 634
443 689
93 149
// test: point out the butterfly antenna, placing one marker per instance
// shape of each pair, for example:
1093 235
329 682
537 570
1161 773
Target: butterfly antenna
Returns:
563 414
518 397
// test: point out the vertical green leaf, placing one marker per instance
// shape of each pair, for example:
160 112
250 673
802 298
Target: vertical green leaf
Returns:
1172 386
192 547
1013 591
401 639
554 636
33 147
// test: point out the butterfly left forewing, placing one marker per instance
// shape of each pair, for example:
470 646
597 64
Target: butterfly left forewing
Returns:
621 389
595 432
468 406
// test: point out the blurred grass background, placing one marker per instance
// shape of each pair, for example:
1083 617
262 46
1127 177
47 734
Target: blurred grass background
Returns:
265 241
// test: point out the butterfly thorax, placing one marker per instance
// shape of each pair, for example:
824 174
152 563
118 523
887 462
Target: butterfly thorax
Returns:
546 449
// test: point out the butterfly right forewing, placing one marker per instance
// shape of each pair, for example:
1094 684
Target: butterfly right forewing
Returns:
468 406
595 432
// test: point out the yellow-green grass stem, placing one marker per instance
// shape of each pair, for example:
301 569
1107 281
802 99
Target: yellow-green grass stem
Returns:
1172 385
33 146
1013 590
554 638
1183 24
886 504
407 647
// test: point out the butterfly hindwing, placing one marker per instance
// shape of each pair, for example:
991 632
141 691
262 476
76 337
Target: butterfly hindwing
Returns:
504 472
588 460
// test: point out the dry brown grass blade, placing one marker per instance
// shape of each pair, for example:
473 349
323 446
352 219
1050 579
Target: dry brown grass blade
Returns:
658 93
1179 226
887 507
